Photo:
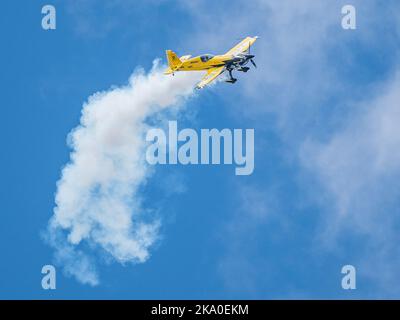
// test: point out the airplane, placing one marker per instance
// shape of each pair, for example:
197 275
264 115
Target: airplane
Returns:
235 59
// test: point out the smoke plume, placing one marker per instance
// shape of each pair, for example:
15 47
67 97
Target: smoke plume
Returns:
98 207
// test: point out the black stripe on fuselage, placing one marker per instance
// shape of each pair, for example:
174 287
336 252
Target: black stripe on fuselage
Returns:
217 65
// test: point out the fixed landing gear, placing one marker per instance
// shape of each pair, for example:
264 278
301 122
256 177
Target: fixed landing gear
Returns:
244 69
231 78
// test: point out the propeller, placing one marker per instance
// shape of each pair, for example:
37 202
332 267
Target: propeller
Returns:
251 60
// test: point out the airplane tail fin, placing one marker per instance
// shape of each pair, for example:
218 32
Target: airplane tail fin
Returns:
173 62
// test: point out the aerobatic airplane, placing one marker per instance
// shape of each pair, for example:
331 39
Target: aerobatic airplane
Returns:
234 59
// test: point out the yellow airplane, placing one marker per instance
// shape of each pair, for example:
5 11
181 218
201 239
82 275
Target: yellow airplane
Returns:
234 59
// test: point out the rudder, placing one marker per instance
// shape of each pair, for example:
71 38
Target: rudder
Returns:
173 60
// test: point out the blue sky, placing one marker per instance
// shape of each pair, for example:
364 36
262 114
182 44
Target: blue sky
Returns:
324 103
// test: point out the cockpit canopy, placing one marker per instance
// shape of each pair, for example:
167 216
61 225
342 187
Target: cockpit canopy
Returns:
206 57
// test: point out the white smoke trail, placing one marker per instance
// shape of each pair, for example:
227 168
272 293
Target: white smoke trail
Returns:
97 204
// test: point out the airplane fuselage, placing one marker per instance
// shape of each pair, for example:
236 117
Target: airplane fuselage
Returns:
205 62
197 63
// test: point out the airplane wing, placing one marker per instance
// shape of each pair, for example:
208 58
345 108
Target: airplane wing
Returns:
210 76
243 46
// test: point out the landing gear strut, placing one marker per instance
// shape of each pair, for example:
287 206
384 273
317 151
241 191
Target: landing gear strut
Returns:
231 78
